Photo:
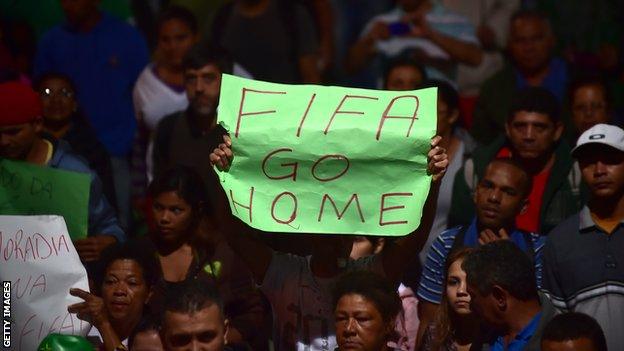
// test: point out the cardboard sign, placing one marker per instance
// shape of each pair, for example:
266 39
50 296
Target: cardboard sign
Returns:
316 159
27 189
38 266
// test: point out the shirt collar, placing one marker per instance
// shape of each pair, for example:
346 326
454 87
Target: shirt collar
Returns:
586 221
530 328
523 337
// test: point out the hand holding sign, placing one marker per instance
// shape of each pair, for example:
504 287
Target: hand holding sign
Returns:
306 155
222 156
438 160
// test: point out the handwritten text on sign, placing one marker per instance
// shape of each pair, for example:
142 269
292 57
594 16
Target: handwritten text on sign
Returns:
27 189
38 258
317 159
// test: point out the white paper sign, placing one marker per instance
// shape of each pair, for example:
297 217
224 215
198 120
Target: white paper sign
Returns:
39 259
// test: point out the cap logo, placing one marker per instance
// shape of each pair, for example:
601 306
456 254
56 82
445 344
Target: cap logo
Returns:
596 136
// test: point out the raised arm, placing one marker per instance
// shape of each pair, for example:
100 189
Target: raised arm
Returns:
459 50
256 255
363 50
396 257
93 311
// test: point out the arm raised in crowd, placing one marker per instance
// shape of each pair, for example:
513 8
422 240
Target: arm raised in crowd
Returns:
239 236
459 50
364 49
397 256
93 311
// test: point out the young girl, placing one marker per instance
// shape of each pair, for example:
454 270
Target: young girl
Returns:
455 327
188 248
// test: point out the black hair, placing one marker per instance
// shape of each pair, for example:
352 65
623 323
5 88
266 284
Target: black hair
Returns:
446 92
586 80
402 61
148 322
537 100
179 13
130 250
530 14
573 326
527 184
374 288
501 263
192 296
187 183
202 55
53 75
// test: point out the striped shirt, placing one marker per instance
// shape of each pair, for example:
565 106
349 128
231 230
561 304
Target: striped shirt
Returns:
584 272
432 284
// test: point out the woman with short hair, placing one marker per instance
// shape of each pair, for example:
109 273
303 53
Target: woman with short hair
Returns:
366 308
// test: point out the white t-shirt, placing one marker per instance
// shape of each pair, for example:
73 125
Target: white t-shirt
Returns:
153 100
303 315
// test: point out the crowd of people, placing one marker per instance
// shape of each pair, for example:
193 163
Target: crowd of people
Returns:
521 242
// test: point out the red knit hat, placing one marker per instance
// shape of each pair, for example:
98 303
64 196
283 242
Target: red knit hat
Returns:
19 104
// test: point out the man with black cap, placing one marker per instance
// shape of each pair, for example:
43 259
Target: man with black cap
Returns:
21 125
584 255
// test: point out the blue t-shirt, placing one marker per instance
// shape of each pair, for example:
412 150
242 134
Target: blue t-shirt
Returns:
432 284
521 340
556 81
104 64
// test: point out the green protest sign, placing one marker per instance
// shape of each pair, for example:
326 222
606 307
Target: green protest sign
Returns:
27 189
316 159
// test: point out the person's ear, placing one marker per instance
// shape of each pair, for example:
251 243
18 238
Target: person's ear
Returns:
525 206
507 129
500 296
162 334
379 246
226 330
475 195
150 293
453 117
37 124
558 130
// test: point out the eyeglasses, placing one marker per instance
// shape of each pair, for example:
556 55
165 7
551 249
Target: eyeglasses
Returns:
47 93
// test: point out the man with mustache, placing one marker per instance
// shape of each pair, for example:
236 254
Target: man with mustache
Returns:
185 136
502 194
533 139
